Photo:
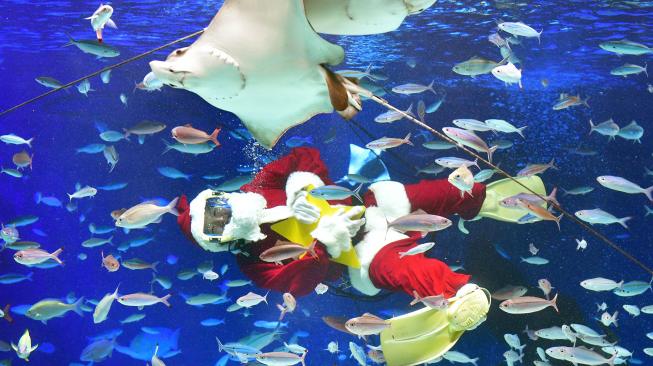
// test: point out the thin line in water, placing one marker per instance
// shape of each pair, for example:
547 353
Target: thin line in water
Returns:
111 67
446 138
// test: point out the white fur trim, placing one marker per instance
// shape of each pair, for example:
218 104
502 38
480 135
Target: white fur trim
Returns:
246 216
197 206
393 203
299 180
247 209
275 214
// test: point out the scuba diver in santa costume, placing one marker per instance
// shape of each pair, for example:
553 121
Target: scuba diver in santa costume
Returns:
276 206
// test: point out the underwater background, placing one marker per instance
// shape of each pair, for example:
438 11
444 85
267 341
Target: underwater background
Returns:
425 48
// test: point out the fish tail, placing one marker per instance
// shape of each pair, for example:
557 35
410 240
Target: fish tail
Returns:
554 303
77 306
127 133
154 266
647 192
214 137
55 255
585 102
7 316
402 254
29 276
31 159
303 358
110 240
265 298
552 164
646 70
164 300
539 35
409 111
29 142
356 193
220 345
311 249
70 197
491 151
430 87
552 196
474 361
416 297
520 131
172 207
168 145
558 220
71 40
623 220
648 211
407 139
591 127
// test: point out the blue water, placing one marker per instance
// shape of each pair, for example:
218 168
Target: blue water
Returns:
31 37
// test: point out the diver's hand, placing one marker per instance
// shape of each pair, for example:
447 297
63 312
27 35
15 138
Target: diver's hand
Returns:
336 231
303 210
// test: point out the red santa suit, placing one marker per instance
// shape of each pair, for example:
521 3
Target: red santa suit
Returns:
378 251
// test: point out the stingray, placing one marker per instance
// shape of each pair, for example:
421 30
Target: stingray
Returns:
143 345
364 162
262 61
359 17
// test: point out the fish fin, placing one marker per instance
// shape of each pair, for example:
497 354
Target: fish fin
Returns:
623 220
491 151
214 137
585 102
430 87
172 207
356 193
558 220
71 40
55 255
409 111
141 139
592 126
520 131
164 300
7 315
552 196
407 139
554 303
311 249
77 307
647 192
112 24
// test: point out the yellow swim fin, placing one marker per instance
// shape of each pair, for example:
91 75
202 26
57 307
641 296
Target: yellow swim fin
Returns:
426 334
504 188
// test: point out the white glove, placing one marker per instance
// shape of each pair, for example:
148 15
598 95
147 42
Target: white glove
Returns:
303 210
336 231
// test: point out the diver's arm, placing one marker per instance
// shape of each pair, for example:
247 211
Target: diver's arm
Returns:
427 276
439 197
299 277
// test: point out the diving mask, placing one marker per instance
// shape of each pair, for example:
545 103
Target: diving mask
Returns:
217 213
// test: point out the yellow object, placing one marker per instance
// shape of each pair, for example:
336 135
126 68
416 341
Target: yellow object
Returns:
504 188
426 334
300 233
